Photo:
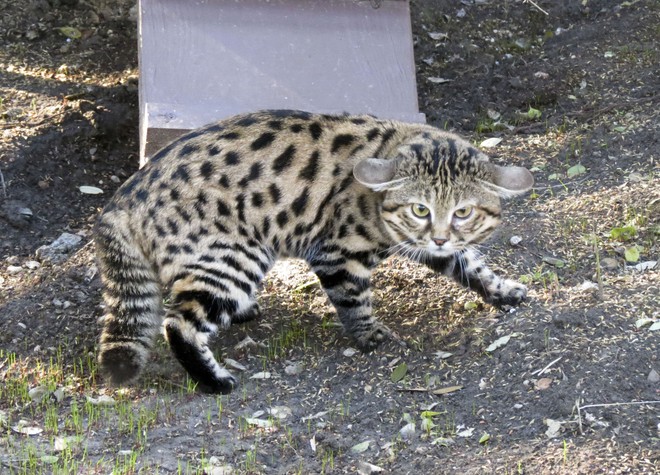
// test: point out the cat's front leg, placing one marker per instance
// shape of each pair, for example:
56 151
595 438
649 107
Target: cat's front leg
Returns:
470 271
347 284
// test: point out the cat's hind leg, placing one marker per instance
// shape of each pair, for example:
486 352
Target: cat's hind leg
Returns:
133 299
206 296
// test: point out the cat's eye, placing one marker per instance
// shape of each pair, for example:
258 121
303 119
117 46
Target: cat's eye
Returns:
463 213
420 210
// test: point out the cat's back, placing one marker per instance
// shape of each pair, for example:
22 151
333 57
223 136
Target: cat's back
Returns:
258 158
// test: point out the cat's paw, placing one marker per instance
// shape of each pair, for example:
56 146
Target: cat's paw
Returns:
252 313
377 334
223 384
509 293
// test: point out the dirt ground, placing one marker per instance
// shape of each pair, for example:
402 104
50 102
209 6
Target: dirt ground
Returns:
568 383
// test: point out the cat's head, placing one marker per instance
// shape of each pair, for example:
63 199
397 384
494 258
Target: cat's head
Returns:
440 194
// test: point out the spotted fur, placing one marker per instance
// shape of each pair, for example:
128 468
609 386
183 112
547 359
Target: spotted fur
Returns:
202 223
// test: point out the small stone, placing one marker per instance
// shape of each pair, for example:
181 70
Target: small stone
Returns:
653 376
293 369
58 250
32 265
348 352
515 240
366 468
408 430
115 179
14 269
609 263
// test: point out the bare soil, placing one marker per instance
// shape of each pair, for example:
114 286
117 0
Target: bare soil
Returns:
575 389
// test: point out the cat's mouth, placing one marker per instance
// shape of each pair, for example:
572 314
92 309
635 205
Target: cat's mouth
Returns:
440 249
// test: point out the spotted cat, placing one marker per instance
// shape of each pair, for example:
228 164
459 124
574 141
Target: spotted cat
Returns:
206 218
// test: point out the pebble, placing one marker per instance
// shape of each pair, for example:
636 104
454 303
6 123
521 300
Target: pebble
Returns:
515 240
58 250
32 265
293 369
408 430
653 376
609 263
14 269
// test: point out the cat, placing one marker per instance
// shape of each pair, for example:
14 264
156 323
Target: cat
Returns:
206 218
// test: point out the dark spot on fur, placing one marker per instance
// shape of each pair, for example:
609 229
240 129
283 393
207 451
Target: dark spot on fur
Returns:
264 140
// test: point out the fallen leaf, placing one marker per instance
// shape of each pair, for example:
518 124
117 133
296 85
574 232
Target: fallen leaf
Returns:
642 322
447 390
261 375
554 428
436 35
631 254
280 412
443 441
436 80
261 423
70 32
484 438
23 428
553 261
102 400
318 415
575 170
466 432
399 372
361 447
90 190
500 342
443 355
491 142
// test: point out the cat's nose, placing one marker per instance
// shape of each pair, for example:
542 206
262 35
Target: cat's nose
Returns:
439 241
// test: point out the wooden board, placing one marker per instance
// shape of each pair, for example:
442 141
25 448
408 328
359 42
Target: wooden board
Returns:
205 60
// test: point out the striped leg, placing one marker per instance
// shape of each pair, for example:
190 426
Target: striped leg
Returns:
470 271
346 281
133 306
205 297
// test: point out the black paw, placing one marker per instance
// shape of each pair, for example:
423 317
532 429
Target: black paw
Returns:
120 365
510 294
223 385
250 314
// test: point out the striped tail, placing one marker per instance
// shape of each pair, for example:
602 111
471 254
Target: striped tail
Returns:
133 303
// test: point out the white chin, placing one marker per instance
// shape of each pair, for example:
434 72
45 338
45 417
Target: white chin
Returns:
445 251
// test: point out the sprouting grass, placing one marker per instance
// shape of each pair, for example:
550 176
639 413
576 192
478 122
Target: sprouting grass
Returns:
293 336
62 411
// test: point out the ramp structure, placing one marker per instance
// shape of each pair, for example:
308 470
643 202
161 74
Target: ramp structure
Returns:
204 60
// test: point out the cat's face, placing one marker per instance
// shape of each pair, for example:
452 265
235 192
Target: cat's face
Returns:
440 220
440 196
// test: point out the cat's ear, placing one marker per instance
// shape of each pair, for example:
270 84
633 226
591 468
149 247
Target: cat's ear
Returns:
509 181
377 174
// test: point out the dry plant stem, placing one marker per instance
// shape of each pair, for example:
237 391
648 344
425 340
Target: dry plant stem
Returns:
541 371
539 8
2 182
599 270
